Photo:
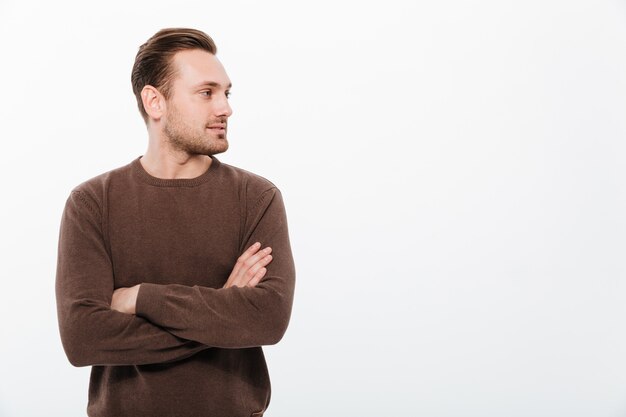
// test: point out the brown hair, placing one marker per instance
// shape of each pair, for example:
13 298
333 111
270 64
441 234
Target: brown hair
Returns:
153 62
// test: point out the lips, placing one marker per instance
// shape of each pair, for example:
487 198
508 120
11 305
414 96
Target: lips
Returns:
218 126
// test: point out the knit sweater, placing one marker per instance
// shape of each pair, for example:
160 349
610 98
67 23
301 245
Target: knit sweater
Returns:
193 348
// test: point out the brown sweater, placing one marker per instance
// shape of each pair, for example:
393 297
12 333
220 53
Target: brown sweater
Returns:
193 348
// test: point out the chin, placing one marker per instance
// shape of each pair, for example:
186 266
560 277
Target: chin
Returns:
223 147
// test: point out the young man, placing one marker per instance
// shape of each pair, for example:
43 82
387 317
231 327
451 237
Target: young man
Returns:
165 283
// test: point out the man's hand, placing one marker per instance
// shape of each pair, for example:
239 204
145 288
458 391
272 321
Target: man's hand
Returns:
250 267
125 299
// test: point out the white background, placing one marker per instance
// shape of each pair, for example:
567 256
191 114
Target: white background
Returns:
453 174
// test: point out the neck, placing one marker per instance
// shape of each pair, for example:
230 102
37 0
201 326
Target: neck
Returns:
162 162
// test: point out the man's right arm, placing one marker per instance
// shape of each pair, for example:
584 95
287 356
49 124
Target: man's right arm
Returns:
91 332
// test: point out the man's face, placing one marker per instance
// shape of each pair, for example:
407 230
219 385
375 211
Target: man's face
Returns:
195 118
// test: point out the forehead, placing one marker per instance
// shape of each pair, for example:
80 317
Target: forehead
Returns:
196 66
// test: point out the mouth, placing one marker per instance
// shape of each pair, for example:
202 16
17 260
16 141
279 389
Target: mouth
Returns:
218 128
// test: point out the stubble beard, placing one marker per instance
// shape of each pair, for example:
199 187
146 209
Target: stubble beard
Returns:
182 138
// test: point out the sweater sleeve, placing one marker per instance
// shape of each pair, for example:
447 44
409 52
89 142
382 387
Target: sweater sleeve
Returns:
235 317
92 333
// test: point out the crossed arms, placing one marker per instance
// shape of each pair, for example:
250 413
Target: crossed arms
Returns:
248 271
170 322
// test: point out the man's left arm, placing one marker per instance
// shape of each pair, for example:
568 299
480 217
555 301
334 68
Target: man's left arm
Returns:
234 317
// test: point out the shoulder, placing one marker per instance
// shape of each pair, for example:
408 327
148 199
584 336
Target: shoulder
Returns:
93 191
253 185
256 192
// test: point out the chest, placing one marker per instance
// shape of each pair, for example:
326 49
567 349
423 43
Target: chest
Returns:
174 237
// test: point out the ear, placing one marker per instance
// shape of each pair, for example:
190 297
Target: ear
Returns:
153 102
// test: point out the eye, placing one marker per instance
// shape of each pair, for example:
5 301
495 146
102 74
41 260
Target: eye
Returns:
206 93
228 94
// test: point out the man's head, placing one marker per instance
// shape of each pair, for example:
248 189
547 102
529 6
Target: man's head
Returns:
181 86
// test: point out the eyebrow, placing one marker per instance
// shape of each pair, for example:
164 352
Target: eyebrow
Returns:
213 84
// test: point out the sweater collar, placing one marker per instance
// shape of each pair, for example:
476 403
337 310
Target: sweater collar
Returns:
141 174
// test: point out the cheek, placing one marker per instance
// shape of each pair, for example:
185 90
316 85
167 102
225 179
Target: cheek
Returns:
194 118
197 114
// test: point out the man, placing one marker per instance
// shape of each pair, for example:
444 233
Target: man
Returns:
165 282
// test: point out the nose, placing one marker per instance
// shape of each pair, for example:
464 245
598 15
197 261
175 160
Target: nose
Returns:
222 107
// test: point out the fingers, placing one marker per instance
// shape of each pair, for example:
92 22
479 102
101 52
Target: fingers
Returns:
257 277
250 267
260 256
255 271
251 256
250 251
246 255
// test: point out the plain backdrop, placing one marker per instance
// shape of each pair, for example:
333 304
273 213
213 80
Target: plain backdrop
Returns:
453 174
